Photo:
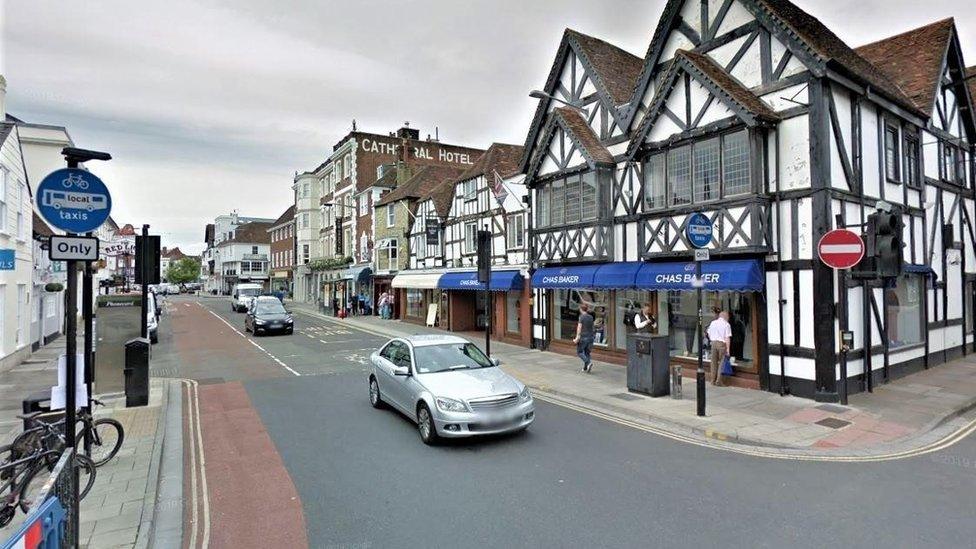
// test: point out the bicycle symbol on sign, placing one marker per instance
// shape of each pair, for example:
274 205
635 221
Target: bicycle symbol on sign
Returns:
74 180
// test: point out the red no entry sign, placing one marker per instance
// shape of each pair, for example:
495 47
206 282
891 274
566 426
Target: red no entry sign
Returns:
841 249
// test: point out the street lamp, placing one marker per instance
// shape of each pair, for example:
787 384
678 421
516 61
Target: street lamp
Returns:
539 94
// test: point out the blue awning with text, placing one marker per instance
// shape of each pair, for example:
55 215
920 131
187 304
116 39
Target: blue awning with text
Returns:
501 281
740 275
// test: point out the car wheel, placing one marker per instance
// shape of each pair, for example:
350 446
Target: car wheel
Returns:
425 424
374 394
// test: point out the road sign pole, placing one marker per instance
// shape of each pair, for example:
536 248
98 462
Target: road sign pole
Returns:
88 314
700 372
144 270
842 284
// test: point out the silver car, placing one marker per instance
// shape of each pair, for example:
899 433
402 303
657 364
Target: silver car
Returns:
448 387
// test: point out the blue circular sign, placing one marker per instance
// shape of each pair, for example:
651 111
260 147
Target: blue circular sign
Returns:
699 230
74 200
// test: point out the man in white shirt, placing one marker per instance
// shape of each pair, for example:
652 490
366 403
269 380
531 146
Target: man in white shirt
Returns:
720 334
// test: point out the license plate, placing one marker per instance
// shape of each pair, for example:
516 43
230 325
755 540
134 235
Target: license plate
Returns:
274 325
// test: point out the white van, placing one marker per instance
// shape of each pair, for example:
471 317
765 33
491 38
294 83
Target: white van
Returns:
240 300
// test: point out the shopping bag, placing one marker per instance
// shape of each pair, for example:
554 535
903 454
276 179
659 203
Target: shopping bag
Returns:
727 367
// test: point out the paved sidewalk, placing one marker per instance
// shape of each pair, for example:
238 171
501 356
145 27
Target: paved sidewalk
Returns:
120 507
898 416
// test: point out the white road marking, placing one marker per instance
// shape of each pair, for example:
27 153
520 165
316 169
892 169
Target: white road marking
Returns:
198 471
265 351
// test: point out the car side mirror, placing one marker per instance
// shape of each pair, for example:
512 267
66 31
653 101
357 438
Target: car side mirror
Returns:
496 362
401 371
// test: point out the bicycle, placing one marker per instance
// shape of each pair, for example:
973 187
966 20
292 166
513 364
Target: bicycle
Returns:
104 435
25 459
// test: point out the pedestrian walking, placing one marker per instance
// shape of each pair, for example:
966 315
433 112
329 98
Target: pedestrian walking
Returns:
382 303
352 306
720 336
362 303
584 337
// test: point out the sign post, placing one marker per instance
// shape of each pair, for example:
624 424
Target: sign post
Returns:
484 276
75 201
842 249
699 233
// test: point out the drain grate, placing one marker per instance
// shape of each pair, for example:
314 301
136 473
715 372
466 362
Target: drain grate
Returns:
833 422
627 396
832 408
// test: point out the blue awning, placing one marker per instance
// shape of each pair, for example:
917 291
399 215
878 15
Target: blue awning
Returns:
740 275
617 275
501 281
920 269
565 278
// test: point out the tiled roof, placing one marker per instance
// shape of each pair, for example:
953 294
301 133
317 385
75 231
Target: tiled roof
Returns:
421 183
40 227
912 60
126 230
829 47
616 68
736 91
255 232
285 217
175 253
389 179
499 157
443 197
584 135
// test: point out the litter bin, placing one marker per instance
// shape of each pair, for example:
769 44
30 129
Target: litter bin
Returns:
137 372
647 364
36 402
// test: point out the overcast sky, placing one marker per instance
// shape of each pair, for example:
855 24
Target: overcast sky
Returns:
209 105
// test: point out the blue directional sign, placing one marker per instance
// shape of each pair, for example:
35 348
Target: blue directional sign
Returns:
699 230
74 200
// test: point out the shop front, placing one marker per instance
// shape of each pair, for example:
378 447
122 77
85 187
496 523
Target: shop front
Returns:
358 292
615 289
416 297
466 304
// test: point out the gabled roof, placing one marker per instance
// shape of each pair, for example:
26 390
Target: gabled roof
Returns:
126 230
616 69
583 135
421 183
255 232
745 104
389 179
443 197
612 68
830 48
817 44
175 254
500 158
913 60
285 217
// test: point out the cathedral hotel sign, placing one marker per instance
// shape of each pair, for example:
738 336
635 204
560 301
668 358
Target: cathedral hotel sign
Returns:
431 151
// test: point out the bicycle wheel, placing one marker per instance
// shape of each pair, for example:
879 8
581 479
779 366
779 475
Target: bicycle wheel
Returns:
106 439
86 475
30 486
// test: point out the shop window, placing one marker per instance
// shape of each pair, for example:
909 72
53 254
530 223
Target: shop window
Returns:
892 171
513 309
678 318
566 313
626 301
415 303
903 311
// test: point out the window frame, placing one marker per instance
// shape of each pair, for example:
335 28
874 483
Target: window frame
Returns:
473 248
911 156
547 197
390 215
665 154
513 232
893 171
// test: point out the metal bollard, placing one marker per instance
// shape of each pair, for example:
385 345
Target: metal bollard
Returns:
676 382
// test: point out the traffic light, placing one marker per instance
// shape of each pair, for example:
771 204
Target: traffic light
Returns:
884 253
484 256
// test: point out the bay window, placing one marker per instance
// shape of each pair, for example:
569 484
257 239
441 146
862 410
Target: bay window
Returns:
568 200
702 171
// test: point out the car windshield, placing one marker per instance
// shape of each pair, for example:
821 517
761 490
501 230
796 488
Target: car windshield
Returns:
451 356
249 292
269 307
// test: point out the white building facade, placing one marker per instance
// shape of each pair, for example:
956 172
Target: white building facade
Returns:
16 251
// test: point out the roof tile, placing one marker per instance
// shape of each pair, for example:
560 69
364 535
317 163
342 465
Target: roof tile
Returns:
616 68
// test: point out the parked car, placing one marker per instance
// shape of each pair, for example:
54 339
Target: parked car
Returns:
266 314
448 387
242 296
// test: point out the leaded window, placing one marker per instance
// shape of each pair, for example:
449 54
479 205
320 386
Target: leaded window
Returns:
735 159
558 205
542 207
573 199
679 175
569 200
655 182
706 180
589 198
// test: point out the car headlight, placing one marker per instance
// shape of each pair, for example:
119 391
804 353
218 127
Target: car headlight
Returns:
524 394
451 405
289 320
259 322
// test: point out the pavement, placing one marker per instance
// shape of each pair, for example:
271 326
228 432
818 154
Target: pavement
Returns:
119 510
905 415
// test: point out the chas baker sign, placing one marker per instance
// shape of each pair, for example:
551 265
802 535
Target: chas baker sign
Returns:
74 200
561 278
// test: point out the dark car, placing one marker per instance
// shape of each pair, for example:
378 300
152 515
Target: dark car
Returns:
266 315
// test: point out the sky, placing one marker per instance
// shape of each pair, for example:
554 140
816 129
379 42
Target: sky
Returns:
209 106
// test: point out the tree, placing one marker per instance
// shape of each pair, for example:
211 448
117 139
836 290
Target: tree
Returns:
183 271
